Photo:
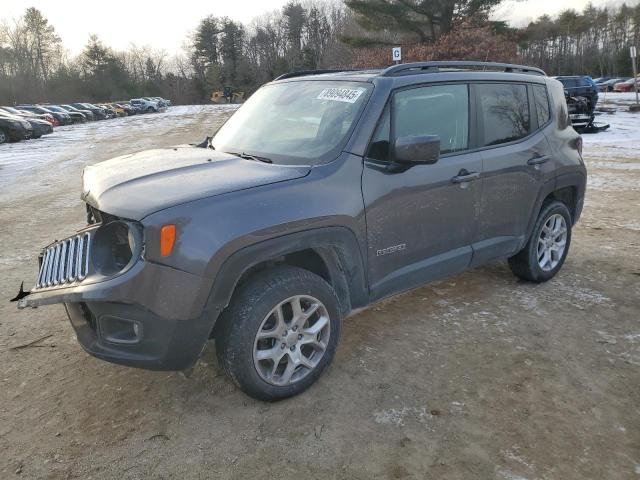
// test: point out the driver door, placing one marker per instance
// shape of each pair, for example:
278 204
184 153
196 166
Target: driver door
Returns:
421 219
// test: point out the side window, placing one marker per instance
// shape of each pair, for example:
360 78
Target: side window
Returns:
504 109
441 110
542 103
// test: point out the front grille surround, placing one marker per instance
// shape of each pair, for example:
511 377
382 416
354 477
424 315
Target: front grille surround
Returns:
65 262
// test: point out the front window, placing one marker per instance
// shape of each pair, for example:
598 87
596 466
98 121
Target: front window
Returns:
441 110
295 122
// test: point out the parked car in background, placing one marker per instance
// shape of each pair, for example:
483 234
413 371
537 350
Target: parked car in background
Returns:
121 112
581 86
86 112
63 118
146 105
76 117
27 115
14 128
607 85
98 113
627 86
137 108
129 109
162 103
110 112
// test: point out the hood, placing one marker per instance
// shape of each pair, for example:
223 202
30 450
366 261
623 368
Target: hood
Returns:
134 186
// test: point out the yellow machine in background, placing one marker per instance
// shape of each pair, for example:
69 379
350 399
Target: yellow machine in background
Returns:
227 96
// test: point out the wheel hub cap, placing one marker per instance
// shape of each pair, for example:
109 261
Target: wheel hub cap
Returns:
292 339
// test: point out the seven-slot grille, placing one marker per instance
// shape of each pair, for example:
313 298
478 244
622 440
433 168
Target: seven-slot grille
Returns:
65 262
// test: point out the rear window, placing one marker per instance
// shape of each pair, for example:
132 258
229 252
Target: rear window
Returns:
542 104
569 82
504 110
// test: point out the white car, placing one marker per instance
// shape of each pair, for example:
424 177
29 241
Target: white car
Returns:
147 106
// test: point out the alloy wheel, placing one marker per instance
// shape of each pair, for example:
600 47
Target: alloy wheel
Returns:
552 242
291 340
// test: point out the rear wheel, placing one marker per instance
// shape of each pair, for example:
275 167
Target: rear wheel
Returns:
545 252
279 333
3 136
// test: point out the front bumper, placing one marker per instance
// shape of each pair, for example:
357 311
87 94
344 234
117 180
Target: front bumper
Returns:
152 316
156 343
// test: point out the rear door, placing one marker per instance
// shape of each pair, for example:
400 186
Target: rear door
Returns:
421 220
516 161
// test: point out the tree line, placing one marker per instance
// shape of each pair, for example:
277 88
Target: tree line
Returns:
308 35
595 41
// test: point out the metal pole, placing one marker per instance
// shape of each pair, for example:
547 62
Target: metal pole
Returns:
635 77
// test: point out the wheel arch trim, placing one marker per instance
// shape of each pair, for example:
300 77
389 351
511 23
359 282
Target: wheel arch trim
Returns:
337 246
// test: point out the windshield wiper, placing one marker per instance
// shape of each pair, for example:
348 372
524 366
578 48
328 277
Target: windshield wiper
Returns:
246 156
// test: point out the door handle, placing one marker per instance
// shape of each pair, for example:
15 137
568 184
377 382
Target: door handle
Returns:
538 160
465 176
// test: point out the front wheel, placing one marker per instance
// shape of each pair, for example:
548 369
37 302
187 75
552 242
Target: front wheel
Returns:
3 136
545 252
279 333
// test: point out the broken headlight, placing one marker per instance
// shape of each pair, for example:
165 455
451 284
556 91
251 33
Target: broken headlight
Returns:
115 246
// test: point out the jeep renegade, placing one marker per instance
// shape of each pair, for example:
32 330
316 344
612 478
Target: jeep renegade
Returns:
325 192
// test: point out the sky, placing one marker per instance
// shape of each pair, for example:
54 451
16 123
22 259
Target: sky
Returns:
166 24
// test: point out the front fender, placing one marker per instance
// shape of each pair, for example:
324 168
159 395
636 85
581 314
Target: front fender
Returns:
338 247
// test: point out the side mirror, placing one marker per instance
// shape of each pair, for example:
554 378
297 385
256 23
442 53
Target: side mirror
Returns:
423 149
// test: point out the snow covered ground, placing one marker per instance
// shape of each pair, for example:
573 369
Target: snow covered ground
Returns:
74 146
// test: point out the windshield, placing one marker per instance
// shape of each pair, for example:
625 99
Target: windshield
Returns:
56 109
11 110
304 122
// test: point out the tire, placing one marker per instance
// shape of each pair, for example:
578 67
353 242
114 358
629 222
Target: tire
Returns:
253 310
4 138
552 229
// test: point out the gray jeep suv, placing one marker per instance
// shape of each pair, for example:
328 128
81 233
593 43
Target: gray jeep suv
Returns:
325 192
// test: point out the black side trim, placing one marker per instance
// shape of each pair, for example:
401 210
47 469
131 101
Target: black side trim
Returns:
338 247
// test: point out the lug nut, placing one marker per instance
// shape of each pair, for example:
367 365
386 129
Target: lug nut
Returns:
293 347
284 334
282 346
299 337
295 327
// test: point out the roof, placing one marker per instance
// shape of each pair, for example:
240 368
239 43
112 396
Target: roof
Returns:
415 68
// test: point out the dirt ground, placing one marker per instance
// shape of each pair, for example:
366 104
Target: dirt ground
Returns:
476 377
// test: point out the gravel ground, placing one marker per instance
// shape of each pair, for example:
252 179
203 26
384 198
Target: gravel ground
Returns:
476 377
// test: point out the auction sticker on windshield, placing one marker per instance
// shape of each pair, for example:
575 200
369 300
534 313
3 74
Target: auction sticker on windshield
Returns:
349 95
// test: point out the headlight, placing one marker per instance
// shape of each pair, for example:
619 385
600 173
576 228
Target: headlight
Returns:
115 247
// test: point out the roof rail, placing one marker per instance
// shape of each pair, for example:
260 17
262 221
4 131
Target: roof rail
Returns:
435 66
304 73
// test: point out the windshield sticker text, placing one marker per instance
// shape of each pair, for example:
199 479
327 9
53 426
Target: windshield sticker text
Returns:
349 95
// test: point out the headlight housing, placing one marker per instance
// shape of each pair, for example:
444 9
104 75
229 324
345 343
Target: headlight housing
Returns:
116 246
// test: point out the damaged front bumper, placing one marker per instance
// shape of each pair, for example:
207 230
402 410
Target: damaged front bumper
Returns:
149 316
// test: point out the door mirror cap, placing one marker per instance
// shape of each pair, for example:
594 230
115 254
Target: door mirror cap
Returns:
423 149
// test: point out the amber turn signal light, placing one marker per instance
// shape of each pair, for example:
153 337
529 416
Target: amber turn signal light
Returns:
167 239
